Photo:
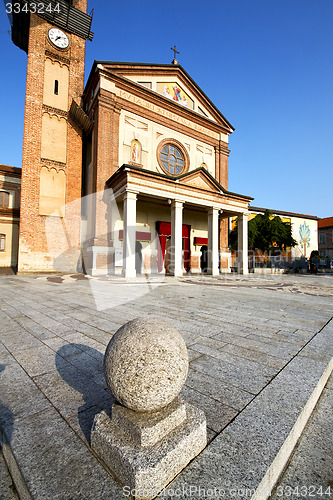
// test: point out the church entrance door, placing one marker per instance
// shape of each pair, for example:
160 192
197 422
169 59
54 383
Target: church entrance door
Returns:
164 236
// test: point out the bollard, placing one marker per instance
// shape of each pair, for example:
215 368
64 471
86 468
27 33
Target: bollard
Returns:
152 433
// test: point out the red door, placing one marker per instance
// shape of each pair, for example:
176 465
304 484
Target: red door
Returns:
164 231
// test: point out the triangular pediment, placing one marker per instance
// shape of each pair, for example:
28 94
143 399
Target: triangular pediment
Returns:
200 179
172 83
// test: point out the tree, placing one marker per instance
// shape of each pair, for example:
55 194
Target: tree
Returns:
266 233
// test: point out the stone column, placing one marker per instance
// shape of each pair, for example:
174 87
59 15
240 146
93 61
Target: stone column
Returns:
213 241
243 265
129 270
176 268
115 244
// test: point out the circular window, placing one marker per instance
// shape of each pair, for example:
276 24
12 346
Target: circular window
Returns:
172 157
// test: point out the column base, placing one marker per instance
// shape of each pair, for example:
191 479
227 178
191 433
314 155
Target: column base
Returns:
176 273
129 274
98 260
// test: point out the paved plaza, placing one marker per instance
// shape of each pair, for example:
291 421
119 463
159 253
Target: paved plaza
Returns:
260 350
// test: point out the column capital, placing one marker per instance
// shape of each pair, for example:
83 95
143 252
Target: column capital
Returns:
212 210
131 194
178 203
110 104
222 148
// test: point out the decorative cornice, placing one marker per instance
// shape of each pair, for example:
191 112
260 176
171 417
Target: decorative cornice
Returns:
109 103
45 162
222 150
168 122
57 57
125 169
221 145
55 111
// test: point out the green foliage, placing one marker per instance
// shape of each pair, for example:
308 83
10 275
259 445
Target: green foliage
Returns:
266 233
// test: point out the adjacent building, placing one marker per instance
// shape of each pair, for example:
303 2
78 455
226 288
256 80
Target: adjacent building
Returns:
325 237
304 230
10 187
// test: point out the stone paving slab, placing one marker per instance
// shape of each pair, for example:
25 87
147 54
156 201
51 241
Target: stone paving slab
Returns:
54 333
55 463
237 463
310 470
7 488
249 380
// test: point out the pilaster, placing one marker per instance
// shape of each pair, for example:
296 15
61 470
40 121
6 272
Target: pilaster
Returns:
221 163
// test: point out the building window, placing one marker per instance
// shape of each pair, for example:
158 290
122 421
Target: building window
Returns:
2 242
172 157
4 199
322 238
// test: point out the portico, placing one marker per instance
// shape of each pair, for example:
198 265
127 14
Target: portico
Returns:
197 193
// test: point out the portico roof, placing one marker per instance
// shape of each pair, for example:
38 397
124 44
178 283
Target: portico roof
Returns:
197 187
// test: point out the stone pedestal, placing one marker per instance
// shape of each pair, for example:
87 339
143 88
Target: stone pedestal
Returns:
145 451
152 435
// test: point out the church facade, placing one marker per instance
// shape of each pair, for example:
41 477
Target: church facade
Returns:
129 178
158 162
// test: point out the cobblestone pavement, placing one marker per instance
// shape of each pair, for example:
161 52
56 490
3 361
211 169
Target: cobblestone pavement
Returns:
240 332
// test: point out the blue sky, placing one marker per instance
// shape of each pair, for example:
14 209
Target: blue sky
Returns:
266 64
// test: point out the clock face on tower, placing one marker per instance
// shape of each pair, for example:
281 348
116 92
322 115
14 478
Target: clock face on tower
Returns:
58 38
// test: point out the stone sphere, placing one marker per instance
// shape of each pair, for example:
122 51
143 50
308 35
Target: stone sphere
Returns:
146 364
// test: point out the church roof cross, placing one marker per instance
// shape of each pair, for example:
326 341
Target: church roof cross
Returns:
175 51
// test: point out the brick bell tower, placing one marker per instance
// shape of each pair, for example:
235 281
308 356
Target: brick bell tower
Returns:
53 33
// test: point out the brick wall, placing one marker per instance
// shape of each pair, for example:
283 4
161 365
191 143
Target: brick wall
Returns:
33 246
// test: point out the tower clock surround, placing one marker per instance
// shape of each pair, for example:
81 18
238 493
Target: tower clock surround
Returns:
58 38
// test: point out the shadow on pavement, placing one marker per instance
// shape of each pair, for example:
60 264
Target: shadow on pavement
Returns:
6 419
84 373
